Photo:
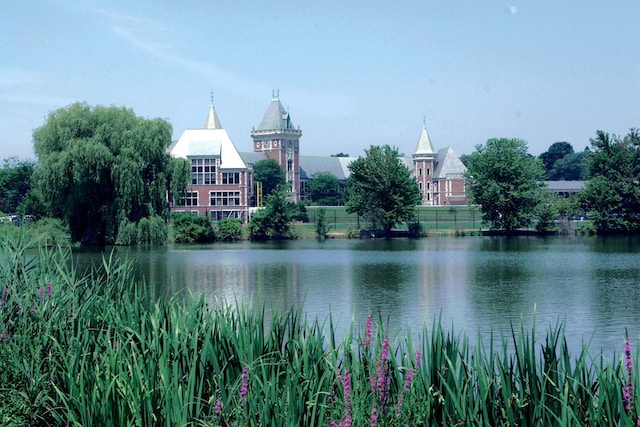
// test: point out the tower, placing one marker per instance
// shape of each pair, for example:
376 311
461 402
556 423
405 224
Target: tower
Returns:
280 140
424 164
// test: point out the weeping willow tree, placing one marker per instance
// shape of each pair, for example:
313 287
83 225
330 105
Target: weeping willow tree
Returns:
105 172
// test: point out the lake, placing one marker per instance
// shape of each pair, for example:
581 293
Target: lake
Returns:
475 284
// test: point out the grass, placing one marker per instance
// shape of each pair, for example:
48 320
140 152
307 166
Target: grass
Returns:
95 349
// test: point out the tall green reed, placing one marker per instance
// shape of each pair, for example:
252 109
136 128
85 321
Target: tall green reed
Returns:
96 349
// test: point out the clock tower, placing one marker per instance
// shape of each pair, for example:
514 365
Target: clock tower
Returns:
279 140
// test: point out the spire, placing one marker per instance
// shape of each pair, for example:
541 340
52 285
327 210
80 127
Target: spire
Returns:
276 117
212 121
424 143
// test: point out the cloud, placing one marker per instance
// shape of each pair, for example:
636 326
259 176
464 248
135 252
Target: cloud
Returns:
143 34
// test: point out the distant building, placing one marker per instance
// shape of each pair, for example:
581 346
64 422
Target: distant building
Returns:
222 177
565 189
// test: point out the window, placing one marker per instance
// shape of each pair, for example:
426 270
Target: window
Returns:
190 199
289 165
231 178
225 198
220 215
419 171
203 171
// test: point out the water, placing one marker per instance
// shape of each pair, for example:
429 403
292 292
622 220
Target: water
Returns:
474 284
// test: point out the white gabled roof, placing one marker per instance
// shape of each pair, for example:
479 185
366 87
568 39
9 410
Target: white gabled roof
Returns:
209 143
212 141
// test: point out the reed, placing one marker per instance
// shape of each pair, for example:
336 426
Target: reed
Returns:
96 349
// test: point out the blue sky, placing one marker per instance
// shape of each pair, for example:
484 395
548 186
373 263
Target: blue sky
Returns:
352 74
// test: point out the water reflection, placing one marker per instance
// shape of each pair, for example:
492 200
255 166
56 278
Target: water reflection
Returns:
474 284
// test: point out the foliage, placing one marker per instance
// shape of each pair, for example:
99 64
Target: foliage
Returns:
340 154
148 231
546 217
556 151
381 189
325 189
612 195
15 183
299 212
96 349
99 166
270 174
189 228
322 228
47 232
273 222
571 167
179 178
229 229
506 182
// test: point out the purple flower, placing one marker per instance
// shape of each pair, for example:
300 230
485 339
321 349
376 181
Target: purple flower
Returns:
627 389
383 382
49 290
41 293
4 335
20 309
33 309
218 407
244 388
366 341
3 302
346 387
374 417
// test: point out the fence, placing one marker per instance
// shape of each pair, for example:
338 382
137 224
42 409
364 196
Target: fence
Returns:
429 217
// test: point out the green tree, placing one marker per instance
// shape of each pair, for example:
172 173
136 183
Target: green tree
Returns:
322 228
382 189
571 167
270 174
325 189
273 222
506 182
340 154
180 178
100 167
15 184
612 195
556 151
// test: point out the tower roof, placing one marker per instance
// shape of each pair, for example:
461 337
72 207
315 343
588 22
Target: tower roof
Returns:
424 143
276 117
212 121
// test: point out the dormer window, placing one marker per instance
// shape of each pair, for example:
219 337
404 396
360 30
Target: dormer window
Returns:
203 171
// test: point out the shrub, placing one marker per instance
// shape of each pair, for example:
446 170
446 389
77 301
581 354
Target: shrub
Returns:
192 229
229 229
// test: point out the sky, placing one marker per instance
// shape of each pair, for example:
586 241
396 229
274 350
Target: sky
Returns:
351 74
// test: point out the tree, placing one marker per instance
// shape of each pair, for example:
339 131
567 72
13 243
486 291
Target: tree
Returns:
101 168
273 222
382 189
180 178
506 182
15 183
556 151
325 189
270 174
571 167
612 195
322 228
340 154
